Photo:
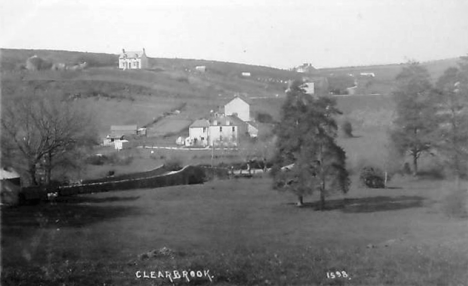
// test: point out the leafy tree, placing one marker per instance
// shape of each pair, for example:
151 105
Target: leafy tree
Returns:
452 115
413 129
307 157
45 132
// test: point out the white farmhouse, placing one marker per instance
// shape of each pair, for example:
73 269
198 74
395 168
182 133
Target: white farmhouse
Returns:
222 132
198 132
133 60
239 108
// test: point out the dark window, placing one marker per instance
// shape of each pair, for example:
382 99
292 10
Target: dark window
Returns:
220 129
233 129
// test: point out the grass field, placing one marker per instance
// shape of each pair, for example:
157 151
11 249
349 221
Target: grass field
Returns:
243 233
241 230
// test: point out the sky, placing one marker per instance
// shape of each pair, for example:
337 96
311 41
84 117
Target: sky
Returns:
276 33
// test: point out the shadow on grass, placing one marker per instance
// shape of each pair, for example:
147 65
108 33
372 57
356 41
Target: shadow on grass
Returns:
435 174
91 199
61 215
369 204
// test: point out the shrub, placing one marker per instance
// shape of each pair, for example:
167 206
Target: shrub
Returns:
347 129
264 117
372 177
96 160
173 164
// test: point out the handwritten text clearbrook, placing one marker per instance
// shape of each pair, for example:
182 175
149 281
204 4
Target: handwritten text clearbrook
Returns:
175 274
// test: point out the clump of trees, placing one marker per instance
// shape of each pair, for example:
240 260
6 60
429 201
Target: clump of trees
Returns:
307 158
413 128
44 133
432 119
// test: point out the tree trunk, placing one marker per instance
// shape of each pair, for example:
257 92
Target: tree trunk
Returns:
32 173
322 199
300 201
48 168
415 164
322 196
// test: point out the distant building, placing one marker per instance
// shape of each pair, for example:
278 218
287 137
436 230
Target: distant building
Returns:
8 174
222 132
246 74
198 132
371 74
309 87
238 107
201 69
10 187
305 68
320 83
121 144
133 60
351 90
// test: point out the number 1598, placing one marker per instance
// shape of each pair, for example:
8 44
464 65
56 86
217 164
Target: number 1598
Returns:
337 274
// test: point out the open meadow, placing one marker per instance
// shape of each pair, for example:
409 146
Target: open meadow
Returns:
243 233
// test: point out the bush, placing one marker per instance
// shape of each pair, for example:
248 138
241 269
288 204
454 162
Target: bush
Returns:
264 117
347 129
372 177
96 160
173 164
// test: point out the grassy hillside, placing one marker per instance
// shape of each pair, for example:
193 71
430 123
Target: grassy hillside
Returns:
124 97
389 72
385 75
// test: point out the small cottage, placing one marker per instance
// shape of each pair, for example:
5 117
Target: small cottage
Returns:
133 60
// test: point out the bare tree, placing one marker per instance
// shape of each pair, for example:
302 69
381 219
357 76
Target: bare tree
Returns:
43 131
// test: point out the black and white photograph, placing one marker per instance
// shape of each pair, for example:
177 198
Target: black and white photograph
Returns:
234 142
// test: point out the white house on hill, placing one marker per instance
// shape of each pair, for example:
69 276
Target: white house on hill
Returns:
239 108
133 60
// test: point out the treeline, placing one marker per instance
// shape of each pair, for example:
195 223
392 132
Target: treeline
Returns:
432 118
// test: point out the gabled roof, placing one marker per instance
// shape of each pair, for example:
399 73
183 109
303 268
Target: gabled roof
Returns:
200 123
225 121
243 98
6 173
236 120
131 54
